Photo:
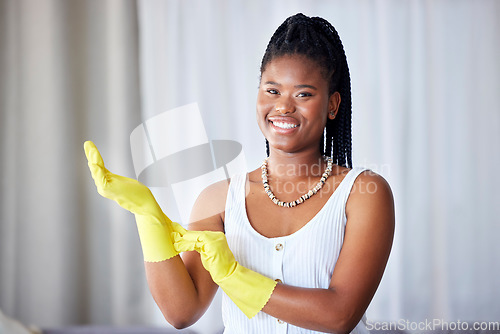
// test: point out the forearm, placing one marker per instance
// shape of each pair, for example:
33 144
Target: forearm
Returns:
180 293
175 292
324 310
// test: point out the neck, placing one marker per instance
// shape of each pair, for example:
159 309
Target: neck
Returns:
295 165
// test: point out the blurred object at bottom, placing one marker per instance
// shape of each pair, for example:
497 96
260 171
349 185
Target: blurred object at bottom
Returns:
115 330
12 326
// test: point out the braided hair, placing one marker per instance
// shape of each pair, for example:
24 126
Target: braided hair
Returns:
317 39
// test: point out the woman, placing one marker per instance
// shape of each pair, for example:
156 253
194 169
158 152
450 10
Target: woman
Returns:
298 245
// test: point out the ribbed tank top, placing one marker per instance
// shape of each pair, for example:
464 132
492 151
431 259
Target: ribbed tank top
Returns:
305 258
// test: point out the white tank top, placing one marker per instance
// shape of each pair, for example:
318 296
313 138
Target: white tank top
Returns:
305 258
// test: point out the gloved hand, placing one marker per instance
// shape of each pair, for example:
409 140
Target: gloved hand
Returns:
249 290
154 226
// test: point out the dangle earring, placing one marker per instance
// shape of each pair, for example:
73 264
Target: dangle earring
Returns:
324 140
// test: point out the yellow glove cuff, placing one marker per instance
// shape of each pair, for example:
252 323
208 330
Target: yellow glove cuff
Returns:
155 238
249 290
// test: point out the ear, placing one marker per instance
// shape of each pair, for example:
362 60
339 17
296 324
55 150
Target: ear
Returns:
333 105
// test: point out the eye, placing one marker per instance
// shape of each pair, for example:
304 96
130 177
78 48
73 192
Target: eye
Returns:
304 94
272 91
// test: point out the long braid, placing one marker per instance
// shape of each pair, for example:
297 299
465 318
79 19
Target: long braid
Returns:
317 39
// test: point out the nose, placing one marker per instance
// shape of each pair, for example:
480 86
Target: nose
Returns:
284 105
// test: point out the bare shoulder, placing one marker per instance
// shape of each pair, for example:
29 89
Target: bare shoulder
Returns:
216 189
370 186
208 210
371 197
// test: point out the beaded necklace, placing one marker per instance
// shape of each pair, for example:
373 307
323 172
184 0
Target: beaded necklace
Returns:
302 198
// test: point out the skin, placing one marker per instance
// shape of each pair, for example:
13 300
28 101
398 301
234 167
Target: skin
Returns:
292 90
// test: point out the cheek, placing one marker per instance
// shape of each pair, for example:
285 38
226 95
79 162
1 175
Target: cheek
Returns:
263 104
260 109
317 116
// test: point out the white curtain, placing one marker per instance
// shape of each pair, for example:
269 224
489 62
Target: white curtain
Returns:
68 73
425 78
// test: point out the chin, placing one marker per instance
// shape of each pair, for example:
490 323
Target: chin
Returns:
288 148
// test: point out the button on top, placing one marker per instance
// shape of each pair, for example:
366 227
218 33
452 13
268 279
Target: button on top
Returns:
281 322
279 247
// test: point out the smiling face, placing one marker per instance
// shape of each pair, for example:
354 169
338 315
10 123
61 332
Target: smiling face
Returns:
293 104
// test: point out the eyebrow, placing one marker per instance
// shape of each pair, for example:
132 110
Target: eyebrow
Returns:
296 86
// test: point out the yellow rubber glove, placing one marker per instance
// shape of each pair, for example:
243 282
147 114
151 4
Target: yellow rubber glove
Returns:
154 226
249 290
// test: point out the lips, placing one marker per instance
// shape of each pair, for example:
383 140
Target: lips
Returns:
283 123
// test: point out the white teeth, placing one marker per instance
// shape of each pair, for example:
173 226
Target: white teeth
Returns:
284 125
